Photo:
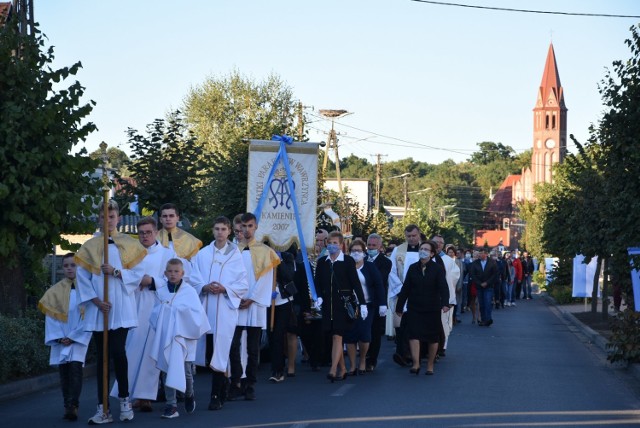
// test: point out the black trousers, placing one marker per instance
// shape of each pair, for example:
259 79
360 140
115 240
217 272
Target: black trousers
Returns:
312 338
71 383
253 354
278 337
378 328
117 341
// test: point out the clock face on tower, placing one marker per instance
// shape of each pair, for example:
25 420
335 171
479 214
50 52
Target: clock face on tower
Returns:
550 144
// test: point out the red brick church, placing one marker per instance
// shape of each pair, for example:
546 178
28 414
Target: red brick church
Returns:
549 147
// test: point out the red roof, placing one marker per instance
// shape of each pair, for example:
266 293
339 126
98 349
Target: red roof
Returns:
500 205
491 238
551 79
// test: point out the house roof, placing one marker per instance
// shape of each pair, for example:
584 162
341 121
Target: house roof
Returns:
500 205
492 238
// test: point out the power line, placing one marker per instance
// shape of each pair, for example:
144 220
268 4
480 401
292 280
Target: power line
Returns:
505 9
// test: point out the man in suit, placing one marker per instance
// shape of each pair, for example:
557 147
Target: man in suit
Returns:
484 273
375 255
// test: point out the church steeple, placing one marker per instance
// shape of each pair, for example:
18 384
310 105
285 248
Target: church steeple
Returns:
549 122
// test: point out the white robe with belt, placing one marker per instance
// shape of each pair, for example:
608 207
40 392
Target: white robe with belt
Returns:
225 266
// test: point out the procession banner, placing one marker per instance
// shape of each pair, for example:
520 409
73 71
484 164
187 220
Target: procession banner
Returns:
583 275
277 219
635 277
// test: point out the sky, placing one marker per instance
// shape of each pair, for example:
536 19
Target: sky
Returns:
421 80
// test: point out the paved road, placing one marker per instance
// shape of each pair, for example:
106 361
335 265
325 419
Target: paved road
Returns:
531 368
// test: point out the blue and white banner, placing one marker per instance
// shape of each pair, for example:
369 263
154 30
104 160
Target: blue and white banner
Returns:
635 278
583 275
276 215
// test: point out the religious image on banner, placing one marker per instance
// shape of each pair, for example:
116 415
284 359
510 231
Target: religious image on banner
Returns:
277 217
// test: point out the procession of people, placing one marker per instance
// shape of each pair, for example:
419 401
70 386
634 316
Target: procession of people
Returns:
173 304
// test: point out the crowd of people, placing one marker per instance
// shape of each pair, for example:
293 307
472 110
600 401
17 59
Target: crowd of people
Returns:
172 304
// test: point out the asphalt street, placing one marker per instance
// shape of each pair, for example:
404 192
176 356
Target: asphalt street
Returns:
530 368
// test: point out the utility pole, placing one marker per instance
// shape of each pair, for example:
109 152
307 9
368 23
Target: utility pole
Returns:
300 122
333 142
378 177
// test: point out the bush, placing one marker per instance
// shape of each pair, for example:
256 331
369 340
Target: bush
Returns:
563 295
624 344
22 347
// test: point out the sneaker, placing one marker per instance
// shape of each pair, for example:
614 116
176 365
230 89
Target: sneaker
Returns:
513 304
71 413
250 393
170 412
126 411
190 403
100 417
276 377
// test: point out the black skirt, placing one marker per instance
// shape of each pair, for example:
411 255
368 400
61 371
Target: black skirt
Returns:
422 326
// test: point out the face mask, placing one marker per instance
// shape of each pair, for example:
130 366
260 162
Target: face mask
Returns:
373 253
358 256
423 254
333 248
467 256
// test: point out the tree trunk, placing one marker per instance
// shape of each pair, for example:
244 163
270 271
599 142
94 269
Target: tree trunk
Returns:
596 281
605 289
13 296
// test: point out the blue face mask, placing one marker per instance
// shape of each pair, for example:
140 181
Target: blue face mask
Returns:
373 253
333 248
358 256
423 254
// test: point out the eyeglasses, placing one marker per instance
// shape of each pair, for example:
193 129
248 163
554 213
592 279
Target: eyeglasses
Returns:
145 233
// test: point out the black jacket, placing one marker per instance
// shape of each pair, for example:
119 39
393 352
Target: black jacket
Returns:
424 291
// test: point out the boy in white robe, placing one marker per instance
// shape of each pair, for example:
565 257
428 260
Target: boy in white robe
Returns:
179 321
64 333
124 272
143 374
219 277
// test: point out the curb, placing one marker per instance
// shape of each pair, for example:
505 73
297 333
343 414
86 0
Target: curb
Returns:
593 336
20 388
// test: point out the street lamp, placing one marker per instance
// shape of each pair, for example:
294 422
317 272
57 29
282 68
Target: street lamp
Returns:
404 182
333 142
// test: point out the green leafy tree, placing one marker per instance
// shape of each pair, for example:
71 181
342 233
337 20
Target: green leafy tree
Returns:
44 189
117 159
490 152
166 166
223 114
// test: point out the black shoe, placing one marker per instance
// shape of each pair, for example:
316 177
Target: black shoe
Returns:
250 393
399 359
370 368
481 323
488 323
442 353
234 393
215 403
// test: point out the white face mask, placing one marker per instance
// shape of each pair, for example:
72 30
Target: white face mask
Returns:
467 256
424 254
358 256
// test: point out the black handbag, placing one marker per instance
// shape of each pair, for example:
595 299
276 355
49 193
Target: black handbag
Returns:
350 306
287 290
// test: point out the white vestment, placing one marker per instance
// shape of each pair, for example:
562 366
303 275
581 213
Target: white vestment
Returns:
73 329
452 274
179 321
225 266
260 292
143 374
123 312
401 259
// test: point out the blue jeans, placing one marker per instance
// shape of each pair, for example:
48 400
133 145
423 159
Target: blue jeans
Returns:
485 296
526 287
509 296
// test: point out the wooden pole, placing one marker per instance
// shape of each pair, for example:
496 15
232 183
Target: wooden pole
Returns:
105 234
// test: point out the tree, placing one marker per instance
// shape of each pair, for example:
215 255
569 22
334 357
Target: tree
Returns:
44 189
223 113
490 152
167 166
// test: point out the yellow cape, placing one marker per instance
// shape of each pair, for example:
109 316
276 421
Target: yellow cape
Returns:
91 254
185 244
263 258
55 301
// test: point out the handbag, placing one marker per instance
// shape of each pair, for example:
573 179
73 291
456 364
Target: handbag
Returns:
287 290
350 306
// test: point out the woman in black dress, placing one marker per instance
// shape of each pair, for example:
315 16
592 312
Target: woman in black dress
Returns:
426 293
336 277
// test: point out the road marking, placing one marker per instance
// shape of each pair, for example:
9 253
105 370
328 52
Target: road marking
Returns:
343 390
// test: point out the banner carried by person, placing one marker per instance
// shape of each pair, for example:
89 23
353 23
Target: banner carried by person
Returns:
282 193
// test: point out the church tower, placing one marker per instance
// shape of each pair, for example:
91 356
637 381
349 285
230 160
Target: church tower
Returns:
549 123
